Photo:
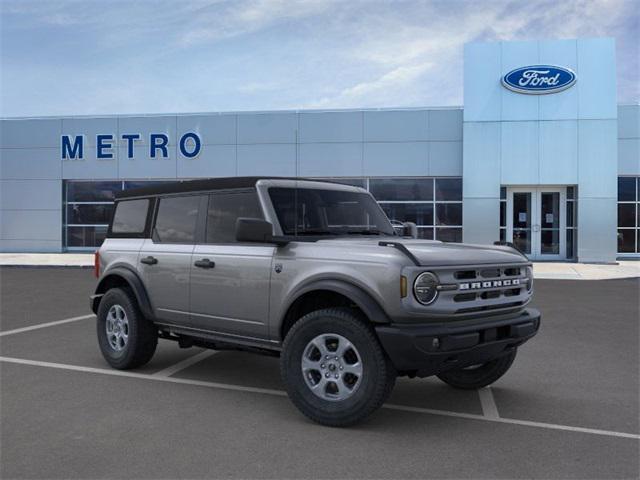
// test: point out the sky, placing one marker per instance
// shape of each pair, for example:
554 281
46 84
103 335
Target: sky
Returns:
95 57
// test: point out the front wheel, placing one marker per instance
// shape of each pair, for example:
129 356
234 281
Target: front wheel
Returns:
479 376
334 368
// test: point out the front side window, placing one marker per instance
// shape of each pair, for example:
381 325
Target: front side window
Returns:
176 219
328 212
225 209
130 216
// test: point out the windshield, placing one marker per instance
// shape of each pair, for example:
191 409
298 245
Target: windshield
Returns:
307 211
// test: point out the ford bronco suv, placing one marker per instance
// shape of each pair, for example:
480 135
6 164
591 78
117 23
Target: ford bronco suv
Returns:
312 272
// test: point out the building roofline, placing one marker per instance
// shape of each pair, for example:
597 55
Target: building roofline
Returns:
233 112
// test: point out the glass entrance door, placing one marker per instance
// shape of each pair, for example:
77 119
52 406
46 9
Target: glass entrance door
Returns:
536 221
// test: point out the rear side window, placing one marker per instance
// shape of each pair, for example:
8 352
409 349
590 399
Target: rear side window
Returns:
176 219
130 216
224 210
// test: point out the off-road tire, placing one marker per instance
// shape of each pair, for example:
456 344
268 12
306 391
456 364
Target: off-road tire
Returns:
486 374
378 376
142 334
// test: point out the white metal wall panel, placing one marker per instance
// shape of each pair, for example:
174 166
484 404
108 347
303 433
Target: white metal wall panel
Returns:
213 161
396 159
271 159
267 128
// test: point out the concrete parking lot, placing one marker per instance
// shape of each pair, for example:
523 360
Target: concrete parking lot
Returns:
569 408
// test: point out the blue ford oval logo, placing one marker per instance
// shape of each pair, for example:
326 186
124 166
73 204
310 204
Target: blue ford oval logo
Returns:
539 79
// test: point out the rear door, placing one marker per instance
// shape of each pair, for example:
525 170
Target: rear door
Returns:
165 259
230 280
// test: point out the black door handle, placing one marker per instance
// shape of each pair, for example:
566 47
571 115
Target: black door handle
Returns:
149 260
204 263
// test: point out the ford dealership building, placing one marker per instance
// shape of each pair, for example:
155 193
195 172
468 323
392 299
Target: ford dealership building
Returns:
541 154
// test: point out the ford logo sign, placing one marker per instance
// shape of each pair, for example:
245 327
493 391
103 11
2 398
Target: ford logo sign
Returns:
539 79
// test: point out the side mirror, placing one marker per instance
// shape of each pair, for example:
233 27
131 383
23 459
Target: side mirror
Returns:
410 229
256 230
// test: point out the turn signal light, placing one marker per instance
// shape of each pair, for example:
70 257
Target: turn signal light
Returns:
403 286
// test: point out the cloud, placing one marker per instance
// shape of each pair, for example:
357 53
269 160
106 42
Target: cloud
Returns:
90 57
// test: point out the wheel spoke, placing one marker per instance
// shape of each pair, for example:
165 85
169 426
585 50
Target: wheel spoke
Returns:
308 364
354 369
343 347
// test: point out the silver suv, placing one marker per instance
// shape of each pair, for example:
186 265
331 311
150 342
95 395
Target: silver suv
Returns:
313 272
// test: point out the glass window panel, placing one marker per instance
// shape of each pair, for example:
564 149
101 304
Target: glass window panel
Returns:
418 213
449 234
398 189
503 234
225 209
522 210
449 214
425 233
449 189
92 191
89 214
570 214
570 235
503 214
176 219
130 216
626 189
550 242
503 193
626 215
550 210
571 192
626 241
85 236
522 240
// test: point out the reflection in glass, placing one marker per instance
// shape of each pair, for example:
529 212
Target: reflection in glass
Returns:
83 214
449 234
85 236
92 191
626 214
449 214
449 189
425 233
626 189
550 242
418 213
402 189
626 240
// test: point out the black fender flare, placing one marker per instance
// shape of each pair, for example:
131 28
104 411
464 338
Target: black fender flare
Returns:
134 282
365 302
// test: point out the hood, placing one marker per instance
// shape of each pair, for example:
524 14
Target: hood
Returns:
433 253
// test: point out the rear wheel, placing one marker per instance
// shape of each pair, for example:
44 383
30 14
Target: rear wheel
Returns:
334 368
478 376
127 339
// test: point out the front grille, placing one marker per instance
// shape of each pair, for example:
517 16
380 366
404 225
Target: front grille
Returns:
483 288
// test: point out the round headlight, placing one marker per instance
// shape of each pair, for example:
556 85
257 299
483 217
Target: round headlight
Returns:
529 279
425 288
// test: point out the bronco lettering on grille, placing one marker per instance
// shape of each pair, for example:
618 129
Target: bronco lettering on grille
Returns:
489 284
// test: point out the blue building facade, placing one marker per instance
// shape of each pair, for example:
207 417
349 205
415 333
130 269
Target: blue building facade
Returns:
541 154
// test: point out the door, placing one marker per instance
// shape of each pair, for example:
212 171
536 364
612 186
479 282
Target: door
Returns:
165 259
536 221
230 280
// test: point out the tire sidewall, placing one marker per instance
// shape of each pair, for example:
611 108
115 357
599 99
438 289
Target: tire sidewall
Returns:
299 337
120 297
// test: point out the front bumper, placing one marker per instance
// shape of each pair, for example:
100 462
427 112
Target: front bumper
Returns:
428 349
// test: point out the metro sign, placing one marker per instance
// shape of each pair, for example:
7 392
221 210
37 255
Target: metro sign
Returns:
72 146
539 79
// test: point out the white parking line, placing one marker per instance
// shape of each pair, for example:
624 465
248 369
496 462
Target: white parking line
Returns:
45 325
489 408
280 393
186 363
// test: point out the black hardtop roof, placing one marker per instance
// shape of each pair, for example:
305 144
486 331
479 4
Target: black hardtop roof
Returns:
200 185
